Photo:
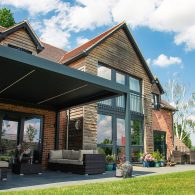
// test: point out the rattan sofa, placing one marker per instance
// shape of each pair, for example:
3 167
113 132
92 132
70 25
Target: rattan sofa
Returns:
79 162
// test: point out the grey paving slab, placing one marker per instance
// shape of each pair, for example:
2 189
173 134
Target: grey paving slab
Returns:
51 179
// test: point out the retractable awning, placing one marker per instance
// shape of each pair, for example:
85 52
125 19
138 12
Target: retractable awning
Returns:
29 80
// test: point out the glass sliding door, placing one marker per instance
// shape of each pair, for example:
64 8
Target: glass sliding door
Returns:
32 136
160 142
20 128
8 138
121 139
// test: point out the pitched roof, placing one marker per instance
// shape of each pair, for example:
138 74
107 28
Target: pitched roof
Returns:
51 53
167 106
84 49
2 28
159 85
87 45
4 32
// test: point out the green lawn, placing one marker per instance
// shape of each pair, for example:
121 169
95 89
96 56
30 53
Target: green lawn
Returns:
175 183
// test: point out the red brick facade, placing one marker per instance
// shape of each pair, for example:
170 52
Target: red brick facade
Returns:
162 121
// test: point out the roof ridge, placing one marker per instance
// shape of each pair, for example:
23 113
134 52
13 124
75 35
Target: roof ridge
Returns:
53 46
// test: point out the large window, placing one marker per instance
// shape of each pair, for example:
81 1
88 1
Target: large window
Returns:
104 133
134 84
104 72
120 132
136 132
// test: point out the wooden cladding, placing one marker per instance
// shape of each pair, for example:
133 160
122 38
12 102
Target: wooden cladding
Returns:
118 53
20 39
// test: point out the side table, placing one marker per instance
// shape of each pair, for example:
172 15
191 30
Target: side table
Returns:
26 168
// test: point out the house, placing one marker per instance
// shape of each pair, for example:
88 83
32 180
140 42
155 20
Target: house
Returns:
101 94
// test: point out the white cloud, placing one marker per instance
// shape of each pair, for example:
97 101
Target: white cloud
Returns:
81 40
165 61
34 6
175 16
149 61
55 36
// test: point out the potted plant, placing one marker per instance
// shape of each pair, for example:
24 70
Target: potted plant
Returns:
124 169
119 169
110 160
157 157
127 169
148 160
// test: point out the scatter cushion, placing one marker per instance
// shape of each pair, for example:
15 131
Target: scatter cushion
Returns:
69 161
55 154
74 155
66 154
84 152
3 164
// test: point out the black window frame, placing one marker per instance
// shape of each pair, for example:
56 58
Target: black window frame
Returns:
155 105
19 48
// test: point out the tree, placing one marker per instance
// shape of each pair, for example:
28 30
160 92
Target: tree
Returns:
31 132
176 94
6 18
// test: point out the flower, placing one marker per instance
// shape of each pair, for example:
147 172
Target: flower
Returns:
147 157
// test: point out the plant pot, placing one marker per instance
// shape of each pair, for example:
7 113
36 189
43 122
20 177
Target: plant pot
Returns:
114 167
146 164
157 164
119 172
162 163
127 173
109 167
151 164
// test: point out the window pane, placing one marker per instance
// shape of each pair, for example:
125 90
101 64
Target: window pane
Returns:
134 84
106 102
135 103
120 78
104 72
120 101
8 138
32 128
160 142
120 132
136 132
104 129
135 154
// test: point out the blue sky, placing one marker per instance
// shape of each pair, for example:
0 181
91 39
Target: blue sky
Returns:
163 29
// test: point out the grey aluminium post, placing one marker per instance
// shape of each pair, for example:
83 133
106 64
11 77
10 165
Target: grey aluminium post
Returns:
127 128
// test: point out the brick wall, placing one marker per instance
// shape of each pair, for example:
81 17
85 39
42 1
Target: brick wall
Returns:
162 121
48 126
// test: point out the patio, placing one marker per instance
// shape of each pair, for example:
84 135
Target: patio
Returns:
56 179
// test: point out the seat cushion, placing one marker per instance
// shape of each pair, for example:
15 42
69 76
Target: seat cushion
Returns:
53 160
66 154
81 152
74 155
69 161
55 154
4 164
